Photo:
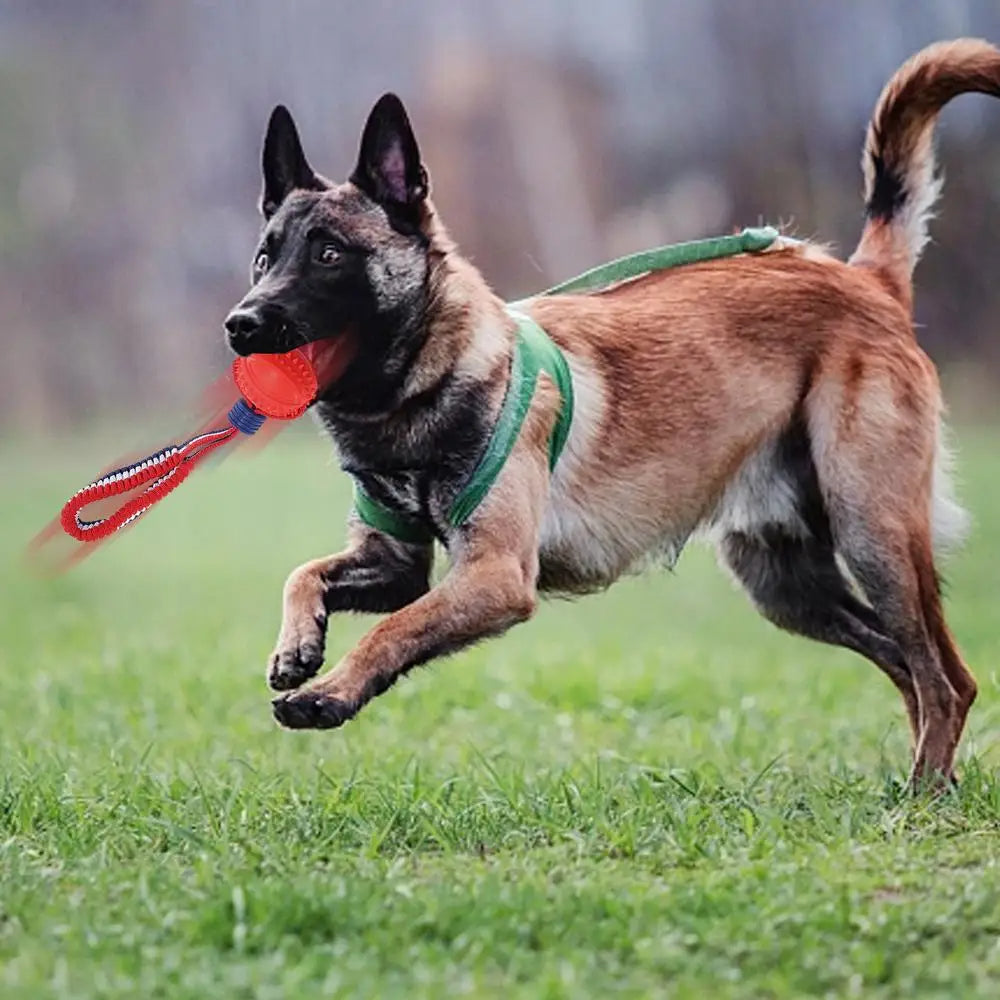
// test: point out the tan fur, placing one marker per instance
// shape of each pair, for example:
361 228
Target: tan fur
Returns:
469 331
900 136
686 381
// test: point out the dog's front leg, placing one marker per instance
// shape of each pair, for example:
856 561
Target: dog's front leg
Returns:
375 574
490 586
477 599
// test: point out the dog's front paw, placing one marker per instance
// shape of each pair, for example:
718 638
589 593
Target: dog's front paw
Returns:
299 654
313 709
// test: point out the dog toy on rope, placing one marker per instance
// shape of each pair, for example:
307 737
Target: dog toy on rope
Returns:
276 386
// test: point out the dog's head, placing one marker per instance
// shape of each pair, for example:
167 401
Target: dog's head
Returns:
340 260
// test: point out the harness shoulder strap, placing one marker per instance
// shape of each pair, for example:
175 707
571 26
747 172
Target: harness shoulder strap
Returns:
534 352
550 359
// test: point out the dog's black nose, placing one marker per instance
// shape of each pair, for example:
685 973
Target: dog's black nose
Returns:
241 325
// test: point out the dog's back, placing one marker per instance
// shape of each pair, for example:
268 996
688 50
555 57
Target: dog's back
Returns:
689 383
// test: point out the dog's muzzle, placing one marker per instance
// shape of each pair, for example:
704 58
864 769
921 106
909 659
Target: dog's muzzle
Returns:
260 330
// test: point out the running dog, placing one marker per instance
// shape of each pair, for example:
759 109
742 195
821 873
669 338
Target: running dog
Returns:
776 402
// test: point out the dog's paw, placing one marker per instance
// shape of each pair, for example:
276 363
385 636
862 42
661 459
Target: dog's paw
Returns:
312 709
298 656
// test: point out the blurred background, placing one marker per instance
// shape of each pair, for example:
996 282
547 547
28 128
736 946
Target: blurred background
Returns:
557 134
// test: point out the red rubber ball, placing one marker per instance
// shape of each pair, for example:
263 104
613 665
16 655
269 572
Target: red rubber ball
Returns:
281 386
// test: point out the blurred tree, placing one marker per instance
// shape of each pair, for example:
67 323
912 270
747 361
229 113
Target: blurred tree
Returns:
558 133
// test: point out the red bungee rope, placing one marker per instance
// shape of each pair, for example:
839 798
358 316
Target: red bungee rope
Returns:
164 472
280 386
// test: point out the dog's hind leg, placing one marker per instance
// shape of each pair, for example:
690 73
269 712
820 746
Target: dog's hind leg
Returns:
896 570
895 567
796 584
874 435
954 666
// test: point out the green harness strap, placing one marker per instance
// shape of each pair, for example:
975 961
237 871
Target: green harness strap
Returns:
663 258
391 522
536 353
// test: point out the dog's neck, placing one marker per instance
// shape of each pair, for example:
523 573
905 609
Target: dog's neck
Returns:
468 331
450 349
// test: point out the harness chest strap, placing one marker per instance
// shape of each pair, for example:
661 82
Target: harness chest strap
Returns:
534 353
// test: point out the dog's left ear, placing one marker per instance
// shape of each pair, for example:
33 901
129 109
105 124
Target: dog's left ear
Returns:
389 168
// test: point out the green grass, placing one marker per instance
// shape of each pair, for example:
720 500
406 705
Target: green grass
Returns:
646 793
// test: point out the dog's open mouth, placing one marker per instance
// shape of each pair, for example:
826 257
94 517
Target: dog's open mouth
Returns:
331 356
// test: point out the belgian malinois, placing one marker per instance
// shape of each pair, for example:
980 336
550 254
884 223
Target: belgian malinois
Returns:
777 403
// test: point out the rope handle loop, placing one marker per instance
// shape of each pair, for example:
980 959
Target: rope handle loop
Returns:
160 473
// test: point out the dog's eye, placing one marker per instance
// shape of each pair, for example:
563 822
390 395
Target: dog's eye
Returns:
261 262
327 253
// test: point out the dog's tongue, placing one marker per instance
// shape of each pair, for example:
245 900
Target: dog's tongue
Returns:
329 358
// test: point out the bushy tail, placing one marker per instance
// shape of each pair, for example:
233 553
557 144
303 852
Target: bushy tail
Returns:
898 161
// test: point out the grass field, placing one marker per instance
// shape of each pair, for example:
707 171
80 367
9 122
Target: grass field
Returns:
646 793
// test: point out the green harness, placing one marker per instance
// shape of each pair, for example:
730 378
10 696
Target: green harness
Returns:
534 353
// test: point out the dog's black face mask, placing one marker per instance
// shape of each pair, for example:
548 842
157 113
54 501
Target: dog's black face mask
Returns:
347 260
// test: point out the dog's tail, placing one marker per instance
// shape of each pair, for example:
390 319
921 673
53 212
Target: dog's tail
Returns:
898 161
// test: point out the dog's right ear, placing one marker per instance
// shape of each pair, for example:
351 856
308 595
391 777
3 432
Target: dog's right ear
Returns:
285 165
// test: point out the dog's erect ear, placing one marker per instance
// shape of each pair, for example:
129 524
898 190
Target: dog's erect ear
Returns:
389 168
285 165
